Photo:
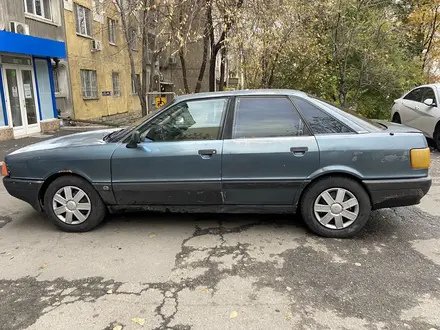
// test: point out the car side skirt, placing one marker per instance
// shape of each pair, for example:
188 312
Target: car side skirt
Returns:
233 209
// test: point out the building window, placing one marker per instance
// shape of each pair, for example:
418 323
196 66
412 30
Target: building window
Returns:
39 8
56 82
134 90
116 86
133 38
112 31
83 21
89 84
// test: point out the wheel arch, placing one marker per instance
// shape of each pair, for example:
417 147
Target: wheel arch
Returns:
353 175
51 178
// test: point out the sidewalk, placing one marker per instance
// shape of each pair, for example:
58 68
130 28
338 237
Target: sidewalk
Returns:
9 146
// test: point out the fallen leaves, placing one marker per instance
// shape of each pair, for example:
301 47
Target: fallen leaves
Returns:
152 235
233 315
138 320
117 327
43 266
358 264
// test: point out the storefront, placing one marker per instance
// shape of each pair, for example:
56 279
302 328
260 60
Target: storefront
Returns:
27 95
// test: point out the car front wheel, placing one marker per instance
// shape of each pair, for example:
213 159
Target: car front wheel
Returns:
437 137
335 207
73 204
396 119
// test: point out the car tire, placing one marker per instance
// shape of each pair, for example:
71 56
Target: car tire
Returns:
83 207
396 118
316 207
437 137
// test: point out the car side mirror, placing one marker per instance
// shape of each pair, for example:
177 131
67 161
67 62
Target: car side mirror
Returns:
135 140
429 102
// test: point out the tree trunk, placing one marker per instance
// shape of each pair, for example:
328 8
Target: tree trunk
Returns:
143 90
212 43
131 58
184 73
205 55
221 85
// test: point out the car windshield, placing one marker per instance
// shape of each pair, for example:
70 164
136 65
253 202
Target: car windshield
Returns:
137 123
354 116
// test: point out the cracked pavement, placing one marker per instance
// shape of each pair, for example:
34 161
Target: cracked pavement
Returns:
180 271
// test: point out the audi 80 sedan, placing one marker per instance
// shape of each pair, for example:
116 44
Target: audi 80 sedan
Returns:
243 151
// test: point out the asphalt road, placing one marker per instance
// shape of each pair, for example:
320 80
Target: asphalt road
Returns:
159 271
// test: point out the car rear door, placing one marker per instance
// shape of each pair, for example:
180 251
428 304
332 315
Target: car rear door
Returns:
268 154
179 161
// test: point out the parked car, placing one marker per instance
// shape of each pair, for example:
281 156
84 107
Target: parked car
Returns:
419 108
243 151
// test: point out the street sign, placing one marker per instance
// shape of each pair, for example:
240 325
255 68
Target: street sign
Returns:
160 101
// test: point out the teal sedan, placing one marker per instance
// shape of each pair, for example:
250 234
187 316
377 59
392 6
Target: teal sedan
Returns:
277 151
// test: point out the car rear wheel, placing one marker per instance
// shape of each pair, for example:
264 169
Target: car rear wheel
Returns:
437 137
335 207
73 204
396 119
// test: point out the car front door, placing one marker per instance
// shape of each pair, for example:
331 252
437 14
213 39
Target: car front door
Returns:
428 114
411 103
269 153
178 161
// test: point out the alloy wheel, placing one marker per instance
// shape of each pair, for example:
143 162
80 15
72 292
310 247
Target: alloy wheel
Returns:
336 208
71 205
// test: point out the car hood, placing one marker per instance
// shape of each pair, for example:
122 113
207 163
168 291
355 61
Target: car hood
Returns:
73 140
397 128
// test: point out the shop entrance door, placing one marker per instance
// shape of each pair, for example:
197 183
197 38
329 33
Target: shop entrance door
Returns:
21 99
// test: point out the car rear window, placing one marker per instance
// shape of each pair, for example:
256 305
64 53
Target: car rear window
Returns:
352 115
319 121
258 117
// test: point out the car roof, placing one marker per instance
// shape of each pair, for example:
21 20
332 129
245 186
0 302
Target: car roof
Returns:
245 92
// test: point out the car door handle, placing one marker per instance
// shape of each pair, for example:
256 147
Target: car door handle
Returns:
299 151
207 153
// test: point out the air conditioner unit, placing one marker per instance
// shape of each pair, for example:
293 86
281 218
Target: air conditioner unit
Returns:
17 27
172 60
96 45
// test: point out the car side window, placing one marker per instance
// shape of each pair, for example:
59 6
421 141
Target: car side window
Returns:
319 121
414 95
258 117
428 93
192 120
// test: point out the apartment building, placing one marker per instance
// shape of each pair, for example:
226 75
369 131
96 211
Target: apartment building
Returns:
99 65
32 50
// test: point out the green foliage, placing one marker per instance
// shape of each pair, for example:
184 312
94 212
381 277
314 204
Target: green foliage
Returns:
359 54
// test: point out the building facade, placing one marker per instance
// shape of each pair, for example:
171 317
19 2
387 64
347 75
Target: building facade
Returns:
99 65
32 48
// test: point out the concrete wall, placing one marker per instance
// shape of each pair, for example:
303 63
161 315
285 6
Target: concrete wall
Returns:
110 59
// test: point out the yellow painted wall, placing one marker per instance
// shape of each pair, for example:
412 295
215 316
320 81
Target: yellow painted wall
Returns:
110 58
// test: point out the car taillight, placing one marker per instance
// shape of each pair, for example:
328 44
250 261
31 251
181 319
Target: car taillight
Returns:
420 158
5 171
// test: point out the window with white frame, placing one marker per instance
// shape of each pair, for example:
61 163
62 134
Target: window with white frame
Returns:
83 20
134 90
112 31
133 38
89 84
116 85
41 8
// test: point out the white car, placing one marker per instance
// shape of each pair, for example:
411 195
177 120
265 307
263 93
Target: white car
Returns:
420 109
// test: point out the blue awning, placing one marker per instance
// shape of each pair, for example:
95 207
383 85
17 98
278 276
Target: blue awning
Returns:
30 45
